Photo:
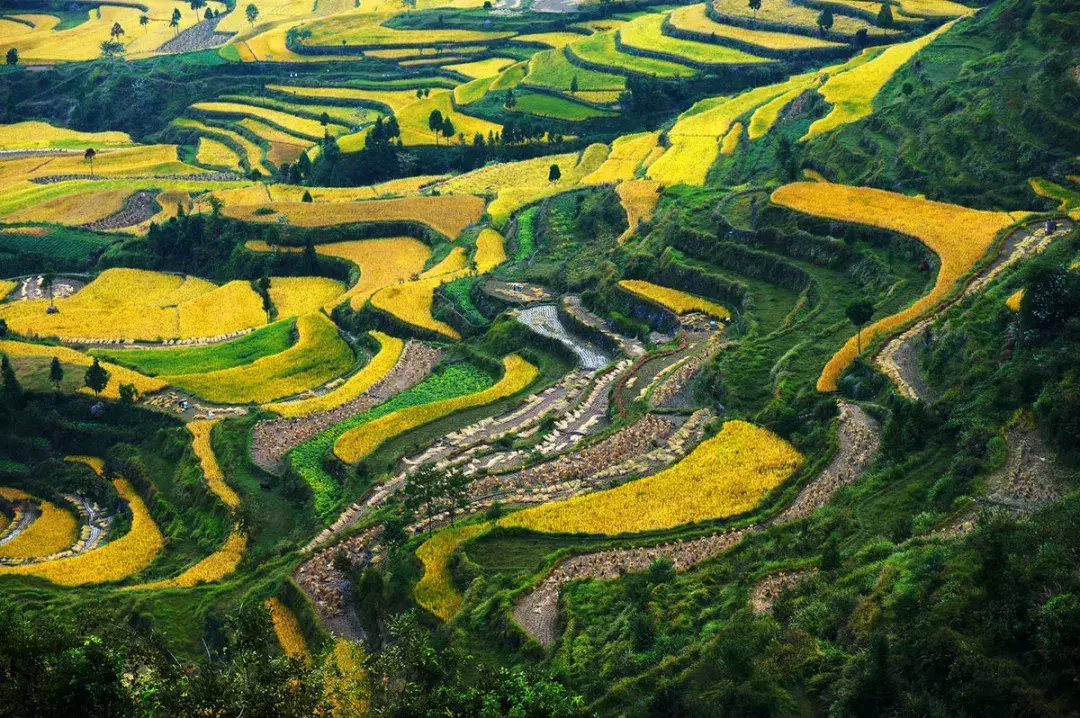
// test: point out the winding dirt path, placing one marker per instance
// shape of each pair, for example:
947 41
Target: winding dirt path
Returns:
899 358
859 438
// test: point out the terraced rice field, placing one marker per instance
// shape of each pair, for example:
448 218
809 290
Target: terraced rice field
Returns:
295 296
302 126
958 235
141 305
646 33
118 375
602 49
692 18
318 356
786 13
724 476
676 300
519 183
481 68
448 215
114 561
852 93
558 108
382 262
252 153
216 154
41 135
390 349
552 70
355 444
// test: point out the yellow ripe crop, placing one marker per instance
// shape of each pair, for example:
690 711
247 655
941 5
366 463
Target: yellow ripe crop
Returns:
446 214
551 39
788 12
382 262
116 560
765 116
390 349
519 183
852 93
74 209
395 100
230 308
7 287
693 18
435 590
316 358
695 138
51 532
252 152
94 462
958 235
347 686
673 299
355 444
482 68
215 478
646 33
295 296
724 476
731 140
40 135
118 375
413 120
627 154
638 199
142 305
1069 198
1013 302
288 631
213 568
366 30
490 250
411 301
302 126
217 154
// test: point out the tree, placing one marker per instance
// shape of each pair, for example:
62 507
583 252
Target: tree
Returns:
573 84
306 197
12 392
209 14
116 31
510 100
174 21
435 123
110 49
3 328
825 20
755 5
554 173
96 378
423 490
56 373
885 17
47 279
456 491
447 128
196 6
13 57
144 21
264 292
861 38
252 13
89 156
324 119
128 394
859 313
419 93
